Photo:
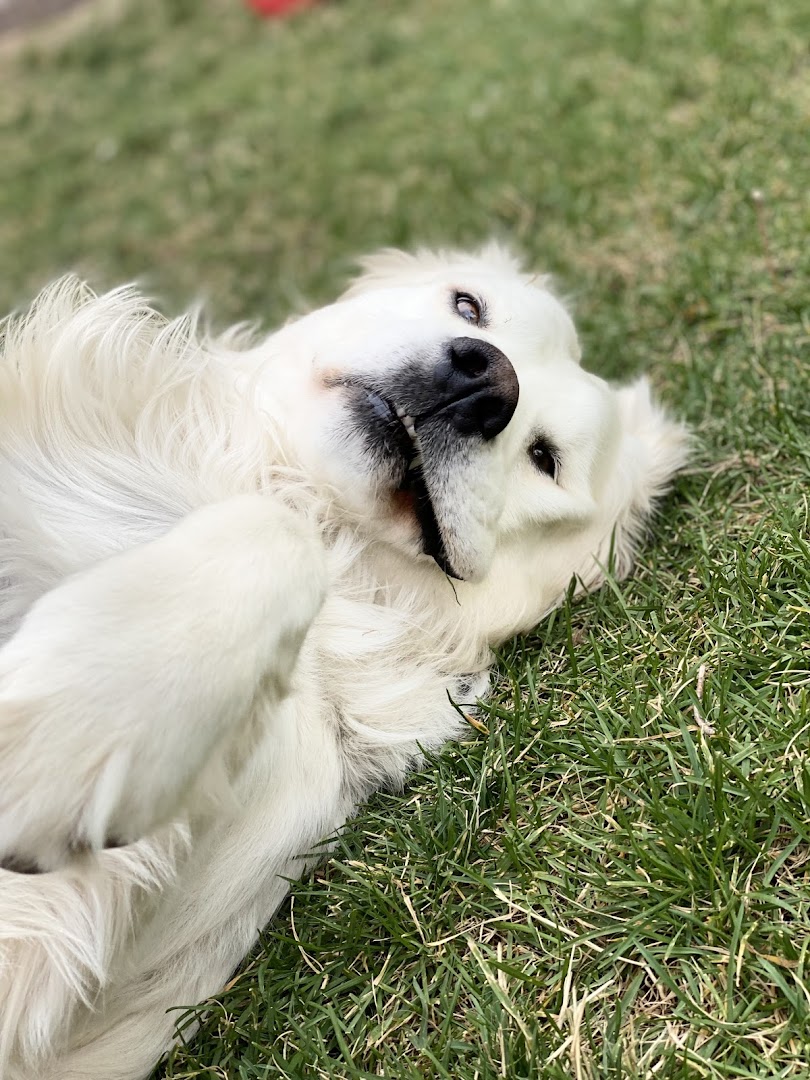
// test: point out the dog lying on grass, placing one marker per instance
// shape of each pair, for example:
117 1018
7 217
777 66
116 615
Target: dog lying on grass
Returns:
240 584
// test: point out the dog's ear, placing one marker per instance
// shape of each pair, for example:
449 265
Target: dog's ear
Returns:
652 449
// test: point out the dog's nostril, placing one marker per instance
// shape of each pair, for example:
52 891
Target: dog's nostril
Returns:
476 387
467 359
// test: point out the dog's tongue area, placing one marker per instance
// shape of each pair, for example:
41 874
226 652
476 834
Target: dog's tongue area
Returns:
445 483
432 539
452 508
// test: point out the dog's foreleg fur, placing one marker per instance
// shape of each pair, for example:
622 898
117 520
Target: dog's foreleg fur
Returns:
175 632
228 889
59 933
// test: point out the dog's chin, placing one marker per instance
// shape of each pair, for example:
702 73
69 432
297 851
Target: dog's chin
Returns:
432 477
413 495
455 516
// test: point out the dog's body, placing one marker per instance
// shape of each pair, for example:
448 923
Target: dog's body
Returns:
226 613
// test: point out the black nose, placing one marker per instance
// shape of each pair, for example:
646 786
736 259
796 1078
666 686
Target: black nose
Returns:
477 387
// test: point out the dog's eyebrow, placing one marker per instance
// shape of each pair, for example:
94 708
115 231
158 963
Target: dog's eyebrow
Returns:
542 435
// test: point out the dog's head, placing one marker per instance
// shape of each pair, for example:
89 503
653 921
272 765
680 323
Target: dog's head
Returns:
442 402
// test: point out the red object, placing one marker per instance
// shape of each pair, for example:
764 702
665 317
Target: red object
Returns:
277 7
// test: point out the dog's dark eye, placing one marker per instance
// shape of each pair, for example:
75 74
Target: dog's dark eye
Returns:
544 458
468 309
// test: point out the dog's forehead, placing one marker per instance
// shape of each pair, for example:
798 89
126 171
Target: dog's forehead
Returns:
520 309
525 308
505 294
505 285
508 293
500 273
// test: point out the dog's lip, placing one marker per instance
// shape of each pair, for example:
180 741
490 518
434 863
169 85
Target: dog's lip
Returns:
413 479
432 539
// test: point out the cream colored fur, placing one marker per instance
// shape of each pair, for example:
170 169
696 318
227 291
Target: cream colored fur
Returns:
219 631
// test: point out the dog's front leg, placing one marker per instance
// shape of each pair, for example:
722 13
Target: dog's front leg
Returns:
120 690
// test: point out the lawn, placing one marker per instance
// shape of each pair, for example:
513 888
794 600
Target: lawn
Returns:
613 878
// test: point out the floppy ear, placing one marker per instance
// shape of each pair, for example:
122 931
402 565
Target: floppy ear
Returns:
652 448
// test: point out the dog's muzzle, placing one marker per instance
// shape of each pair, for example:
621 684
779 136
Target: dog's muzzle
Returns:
475 388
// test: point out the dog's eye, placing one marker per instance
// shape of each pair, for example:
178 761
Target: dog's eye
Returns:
544 458
468 309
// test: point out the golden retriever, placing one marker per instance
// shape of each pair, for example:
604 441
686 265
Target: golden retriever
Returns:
240 583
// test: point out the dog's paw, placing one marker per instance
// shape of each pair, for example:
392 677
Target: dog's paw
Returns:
57 801
125 687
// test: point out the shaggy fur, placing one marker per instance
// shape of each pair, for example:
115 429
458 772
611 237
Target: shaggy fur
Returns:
222 620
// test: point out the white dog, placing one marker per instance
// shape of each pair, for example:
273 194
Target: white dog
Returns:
236 584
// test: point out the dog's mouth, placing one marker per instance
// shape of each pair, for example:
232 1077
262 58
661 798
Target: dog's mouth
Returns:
397 430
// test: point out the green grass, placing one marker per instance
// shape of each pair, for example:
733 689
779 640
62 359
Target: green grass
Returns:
615 880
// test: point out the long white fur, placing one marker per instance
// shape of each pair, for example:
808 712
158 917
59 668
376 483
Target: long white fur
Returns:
165 553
